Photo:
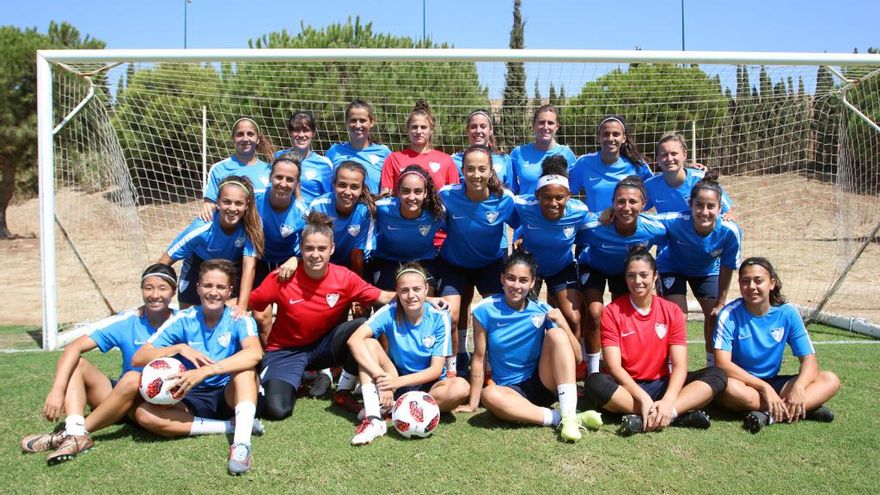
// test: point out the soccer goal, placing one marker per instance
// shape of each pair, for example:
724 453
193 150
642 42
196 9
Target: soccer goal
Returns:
126 136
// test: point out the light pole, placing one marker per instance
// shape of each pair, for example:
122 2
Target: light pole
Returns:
185 4
423 21
682 25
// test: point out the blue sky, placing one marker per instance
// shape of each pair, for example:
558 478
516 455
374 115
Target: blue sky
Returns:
739 25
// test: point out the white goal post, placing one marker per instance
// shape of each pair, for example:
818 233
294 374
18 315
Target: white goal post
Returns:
794 136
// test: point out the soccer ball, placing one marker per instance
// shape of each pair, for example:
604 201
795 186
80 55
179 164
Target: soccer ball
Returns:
415 414
155 385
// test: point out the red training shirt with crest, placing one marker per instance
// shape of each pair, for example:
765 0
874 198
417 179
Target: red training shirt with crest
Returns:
307 308
643 340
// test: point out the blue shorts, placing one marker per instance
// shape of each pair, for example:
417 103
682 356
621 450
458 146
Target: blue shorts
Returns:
703 287
206 402
189 279
289 364
535 392
425 387
383 272
454 280
595 279
779 381
567 278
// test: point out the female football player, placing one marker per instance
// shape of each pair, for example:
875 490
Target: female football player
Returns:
644 343
527 158
361 147
316 169
750 338
78 382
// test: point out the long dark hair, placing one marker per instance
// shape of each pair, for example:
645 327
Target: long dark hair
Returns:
366 198
494 185
433 203
776 297
629 149
520 256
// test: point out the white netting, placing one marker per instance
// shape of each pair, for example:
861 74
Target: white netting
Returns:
801 167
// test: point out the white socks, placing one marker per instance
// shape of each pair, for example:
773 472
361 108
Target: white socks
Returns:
206 426
75 425
567 399
451 364
593 362
326 371
244 421
551 417
347 381
371 400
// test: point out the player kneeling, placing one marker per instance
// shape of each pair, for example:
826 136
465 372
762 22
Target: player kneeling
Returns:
418 343
220 353
641 334
78 382
749 341
533 355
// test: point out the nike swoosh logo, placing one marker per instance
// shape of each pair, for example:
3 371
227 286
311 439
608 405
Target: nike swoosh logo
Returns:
294 301
659 200
501 324
609 246
594 179
140 342
457 217
745 336
627 334
389 227
197 342
533 228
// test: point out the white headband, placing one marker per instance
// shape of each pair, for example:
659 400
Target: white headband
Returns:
552 179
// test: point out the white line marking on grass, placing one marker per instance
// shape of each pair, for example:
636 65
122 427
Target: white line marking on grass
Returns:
16 351
820 342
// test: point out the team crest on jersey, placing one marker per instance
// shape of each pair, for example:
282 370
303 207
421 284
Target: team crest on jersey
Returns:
310 174
777 334
491 216
716 253
374 159
538 320
239 242
424 229
434 166
354 230
286 230
224 339
332 299
428 341
661 329
668 281
568 231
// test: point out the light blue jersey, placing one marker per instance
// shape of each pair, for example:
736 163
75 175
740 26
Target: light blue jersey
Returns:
666 199
207 240
257 173
356 231
128 331
371 157
550 241
756 343
513 338
606 250
527 160
402 239
690 254
281 229
500 163
475 229
411 347
316 176
218 343
592 177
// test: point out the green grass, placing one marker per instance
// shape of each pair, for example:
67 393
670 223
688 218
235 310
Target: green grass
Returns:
310 453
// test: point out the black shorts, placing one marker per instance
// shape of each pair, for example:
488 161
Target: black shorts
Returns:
535 392
383 272
778 382
263 269
454 280
601 386
591 278
704 287
189 278
567 278
205 402
425 387
289 364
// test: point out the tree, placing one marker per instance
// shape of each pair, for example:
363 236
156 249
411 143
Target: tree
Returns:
18 105
514 128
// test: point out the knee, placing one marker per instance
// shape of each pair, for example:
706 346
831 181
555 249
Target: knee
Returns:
831 380
277 401
148 419
489 398
461 389
735 395
716 379
129 383
600 387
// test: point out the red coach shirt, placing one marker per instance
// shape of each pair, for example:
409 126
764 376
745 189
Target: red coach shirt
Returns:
308 309
643 340
437 164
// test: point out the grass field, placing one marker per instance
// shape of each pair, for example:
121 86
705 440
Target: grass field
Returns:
310 453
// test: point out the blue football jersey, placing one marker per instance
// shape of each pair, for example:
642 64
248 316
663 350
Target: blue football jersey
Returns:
596 180
527 160
475 229
411 347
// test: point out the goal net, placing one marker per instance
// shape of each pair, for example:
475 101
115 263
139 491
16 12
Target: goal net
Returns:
794 137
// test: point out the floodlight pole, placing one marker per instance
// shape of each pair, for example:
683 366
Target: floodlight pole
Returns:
682 25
